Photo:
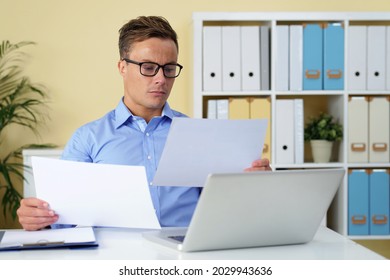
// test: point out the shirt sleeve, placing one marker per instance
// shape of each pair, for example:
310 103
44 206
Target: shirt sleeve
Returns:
77 148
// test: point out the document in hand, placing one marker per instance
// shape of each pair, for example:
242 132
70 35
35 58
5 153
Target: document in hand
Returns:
17 239
91 194
197 147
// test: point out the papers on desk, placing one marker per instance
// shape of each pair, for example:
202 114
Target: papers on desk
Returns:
48 238
90 194
197 147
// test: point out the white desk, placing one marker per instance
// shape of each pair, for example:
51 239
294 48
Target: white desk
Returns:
125 244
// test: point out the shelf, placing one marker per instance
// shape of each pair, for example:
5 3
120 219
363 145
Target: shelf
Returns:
310 92
293 16
335 102
309 165
236 93
368 165
371 92
369 237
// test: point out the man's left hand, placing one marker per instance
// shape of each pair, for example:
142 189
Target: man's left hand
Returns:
259 165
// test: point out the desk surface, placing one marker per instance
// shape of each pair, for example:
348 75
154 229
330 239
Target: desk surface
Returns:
121 244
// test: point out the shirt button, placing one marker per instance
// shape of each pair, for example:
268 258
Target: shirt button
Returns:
151 184
149 157
147 134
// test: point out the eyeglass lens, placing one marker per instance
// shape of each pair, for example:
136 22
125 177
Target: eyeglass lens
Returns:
151 69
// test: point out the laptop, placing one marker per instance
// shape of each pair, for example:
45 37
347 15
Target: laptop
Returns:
253 209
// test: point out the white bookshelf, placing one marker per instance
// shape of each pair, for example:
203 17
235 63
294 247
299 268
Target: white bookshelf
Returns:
337 100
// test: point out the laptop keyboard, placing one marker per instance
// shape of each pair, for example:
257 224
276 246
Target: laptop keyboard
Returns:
179 238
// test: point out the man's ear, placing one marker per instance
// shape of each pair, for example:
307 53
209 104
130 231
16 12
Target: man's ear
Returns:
122 67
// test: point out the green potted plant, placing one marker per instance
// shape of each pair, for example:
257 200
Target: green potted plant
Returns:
21 104
322 131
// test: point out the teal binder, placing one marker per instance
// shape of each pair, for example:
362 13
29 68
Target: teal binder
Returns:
379 202
358 198
333 72
312 57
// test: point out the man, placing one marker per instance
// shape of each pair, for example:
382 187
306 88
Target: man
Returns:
135 132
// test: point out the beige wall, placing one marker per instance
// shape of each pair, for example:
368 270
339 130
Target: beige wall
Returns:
76 51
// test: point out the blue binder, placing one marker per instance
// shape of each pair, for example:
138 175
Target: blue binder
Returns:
379 202
333 56
312 57
358 192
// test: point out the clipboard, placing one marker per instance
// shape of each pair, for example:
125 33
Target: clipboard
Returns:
77 237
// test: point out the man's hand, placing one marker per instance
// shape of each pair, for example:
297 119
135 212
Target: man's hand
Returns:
259 165
35 214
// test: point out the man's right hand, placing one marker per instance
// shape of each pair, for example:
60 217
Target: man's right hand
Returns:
35 214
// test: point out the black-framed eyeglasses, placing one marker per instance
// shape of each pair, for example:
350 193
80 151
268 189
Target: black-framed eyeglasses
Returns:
150 69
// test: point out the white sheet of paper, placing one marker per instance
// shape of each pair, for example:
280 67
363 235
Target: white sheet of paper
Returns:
197 147
91 194
66 235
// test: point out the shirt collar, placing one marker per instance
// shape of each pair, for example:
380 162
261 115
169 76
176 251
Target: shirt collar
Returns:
123 114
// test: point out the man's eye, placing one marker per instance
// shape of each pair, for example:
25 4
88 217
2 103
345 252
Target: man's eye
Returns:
170 68
148 67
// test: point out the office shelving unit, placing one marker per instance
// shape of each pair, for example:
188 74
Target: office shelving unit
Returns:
332 101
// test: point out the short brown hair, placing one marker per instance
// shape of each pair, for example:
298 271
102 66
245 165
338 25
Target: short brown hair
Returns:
142 28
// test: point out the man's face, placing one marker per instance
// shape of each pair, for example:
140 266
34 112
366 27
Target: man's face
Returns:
146 96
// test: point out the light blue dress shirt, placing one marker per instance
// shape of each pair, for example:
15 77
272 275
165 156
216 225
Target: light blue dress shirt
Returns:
119 137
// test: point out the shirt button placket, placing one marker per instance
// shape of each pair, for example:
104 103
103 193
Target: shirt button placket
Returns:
148 153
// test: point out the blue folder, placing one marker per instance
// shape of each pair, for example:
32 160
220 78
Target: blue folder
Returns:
19 239
312 57
379 202
358 198
333 56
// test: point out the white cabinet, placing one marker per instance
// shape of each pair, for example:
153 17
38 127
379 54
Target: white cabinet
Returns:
28 184
351 67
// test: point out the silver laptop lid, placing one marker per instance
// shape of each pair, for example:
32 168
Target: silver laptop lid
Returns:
255 209
261 208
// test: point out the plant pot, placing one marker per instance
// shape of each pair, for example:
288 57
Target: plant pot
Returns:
322 150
